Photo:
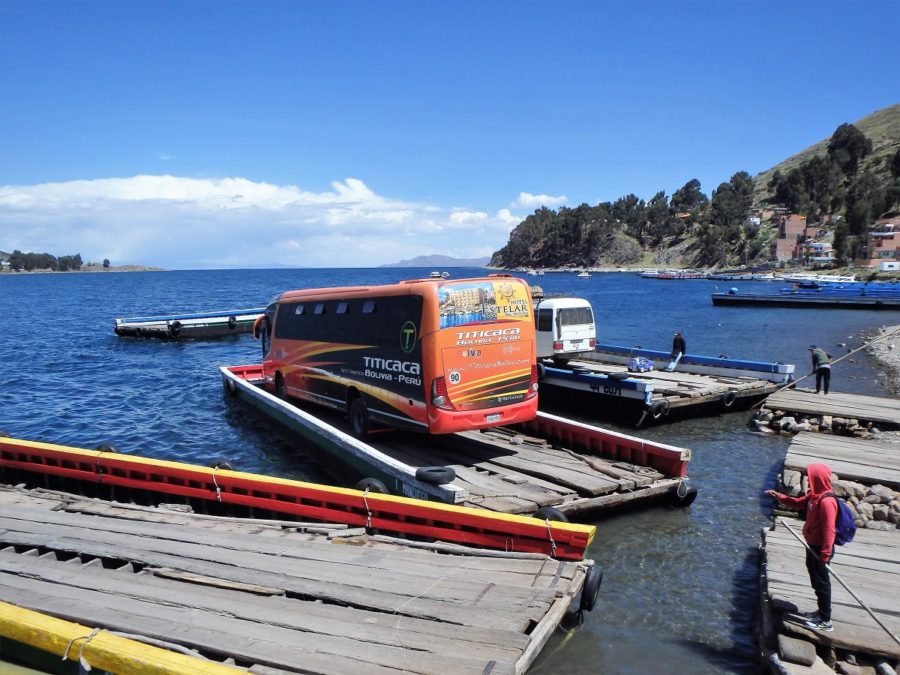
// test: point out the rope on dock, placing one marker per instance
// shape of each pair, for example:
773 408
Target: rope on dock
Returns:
842 583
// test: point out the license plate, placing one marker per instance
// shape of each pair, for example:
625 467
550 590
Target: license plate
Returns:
495 417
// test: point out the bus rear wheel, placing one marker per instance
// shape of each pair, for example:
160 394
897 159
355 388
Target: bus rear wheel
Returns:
279 385
359 418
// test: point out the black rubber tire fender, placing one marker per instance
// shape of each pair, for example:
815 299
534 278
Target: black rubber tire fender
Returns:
729 398
175 329
684 495
658 409
436 475
541 371
107 447
232 322
372 485
618 376
549 513
221 464
591 587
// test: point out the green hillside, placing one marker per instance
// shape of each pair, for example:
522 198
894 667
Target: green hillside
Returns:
882 128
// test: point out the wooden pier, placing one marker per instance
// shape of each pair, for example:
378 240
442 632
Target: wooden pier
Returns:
870 565
868 462
882 412
276 596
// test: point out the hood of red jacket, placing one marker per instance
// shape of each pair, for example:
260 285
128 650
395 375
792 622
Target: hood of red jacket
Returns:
819 478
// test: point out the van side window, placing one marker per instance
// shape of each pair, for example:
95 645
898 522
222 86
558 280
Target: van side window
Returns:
545 319
368 307
342 308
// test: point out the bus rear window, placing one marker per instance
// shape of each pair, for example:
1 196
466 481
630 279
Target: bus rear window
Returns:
575 316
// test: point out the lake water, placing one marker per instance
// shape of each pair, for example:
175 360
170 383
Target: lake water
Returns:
679 593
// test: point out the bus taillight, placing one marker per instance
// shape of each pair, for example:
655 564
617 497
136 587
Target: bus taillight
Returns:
439 394
533 389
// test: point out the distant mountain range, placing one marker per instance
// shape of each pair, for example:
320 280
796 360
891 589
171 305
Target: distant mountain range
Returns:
440 261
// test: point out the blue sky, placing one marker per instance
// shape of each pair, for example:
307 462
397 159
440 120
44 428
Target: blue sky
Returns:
195 134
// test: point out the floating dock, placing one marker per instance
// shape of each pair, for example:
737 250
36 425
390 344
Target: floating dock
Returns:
883 412
180 326
92 581
807 300
700 385
550 462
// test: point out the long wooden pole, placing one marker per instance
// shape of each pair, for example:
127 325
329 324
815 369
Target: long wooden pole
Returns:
850 353
843 583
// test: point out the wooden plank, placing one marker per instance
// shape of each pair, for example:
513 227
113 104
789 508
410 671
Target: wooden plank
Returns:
297 614
417 594
266 644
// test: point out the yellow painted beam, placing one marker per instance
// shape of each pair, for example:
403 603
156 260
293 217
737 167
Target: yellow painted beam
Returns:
102 650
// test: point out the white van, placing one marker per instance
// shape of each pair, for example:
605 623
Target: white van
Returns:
565 328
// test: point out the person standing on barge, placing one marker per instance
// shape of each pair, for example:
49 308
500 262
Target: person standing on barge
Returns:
678 349
818 531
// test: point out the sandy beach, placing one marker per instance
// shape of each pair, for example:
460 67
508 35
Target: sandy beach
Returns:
887 352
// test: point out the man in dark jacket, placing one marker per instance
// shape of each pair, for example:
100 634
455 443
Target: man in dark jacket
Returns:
818 530
678 349
821 364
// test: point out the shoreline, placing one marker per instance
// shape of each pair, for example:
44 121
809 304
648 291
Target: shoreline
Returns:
887 353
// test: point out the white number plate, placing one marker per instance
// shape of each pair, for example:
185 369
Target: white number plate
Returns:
495 417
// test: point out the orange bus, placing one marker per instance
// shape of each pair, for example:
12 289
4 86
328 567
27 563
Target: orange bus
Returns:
428 355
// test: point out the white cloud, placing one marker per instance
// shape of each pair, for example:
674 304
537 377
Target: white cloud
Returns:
530 201
179 222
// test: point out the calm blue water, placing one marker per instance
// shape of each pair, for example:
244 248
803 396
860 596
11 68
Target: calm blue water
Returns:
680 584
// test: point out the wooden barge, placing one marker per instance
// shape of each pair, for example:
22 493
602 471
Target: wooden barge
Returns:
199 325
807 300
700 385
320 580
549 465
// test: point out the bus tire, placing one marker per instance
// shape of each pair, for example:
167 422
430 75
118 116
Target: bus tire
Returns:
107 447
549 513
658 409
541 371
232 322
436 475
729 398
358 413
221 464
591 588
684 496
174 329
279 386
372 485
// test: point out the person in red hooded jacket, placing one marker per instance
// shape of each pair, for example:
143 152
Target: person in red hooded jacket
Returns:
818 530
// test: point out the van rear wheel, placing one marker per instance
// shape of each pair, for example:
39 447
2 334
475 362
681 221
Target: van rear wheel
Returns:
359 418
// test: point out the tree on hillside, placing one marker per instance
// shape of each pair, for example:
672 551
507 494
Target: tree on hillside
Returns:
848 145
730 205
106 263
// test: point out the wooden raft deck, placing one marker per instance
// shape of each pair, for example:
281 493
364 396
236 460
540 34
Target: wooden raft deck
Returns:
282 597
681 390
870 565
864 461
510 472
884 412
